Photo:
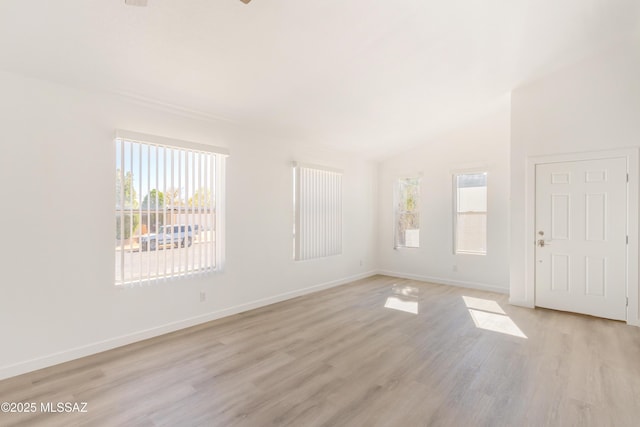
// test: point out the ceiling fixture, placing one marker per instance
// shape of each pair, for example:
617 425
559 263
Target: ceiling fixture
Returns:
144 2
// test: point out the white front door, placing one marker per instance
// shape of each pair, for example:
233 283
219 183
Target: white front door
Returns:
581 237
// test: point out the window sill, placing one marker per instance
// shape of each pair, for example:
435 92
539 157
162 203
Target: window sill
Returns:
470 253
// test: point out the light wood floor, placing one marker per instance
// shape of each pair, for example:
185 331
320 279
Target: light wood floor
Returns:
341 358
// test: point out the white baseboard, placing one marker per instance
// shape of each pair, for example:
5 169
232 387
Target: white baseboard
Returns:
97 347
633 322
443 281
521 303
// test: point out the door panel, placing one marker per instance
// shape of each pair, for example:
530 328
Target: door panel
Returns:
560 273
581 223
560 218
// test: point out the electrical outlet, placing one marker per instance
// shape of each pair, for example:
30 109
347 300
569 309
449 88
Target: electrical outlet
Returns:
203 296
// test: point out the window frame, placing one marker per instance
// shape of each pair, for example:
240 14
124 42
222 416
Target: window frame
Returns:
396 200
455 175
218 188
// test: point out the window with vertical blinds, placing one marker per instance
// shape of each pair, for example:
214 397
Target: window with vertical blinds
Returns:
168 208
318 212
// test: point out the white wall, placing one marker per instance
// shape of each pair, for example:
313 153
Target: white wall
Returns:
591 105
482 144
57 158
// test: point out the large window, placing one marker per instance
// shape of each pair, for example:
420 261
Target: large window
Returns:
168 208
407 213
470 191
318 211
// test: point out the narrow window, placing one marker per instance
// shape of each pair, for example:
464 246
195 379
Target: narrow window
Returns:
168 208
318 212
407 213
470 230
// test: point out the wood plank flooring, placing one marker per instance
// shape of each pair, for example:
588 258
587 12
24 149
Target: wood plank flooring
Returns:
341 358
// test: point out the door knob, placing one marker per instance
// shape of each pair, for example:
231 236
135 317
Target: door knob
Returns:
542 243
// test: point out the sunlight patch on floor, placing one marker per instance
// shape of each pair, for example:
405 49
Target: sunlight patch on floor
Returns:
483 304
403 298
488 315
402 305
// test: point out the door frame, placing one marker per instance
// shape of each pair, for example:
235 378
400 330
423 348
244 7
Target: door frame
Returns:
632 157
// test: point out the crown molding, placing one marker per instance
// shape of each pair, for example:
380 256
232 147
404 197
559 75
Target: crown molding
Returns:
170 107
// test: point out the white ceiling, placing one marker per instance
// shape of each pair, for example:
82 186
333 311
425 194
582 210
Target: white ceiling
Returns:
371 76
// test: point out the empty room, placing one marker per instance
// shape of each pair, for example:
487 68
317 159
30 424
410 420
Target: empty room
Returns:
320 213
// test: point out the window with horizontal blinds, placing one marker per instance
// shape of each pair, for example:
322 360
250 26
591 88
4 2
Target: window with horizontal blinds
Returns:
470 216
168 209
318 212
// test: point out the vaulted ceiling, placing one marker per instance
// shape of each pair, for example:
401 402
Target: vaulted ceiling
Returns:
361 75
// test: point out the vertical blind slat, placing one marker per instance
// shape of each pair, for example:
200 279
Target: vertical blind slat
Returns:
213 234
200 234
208 225
172 213
131 204
180 212
122 203
148 207
140 206
192 218
156 207
165 200
185 236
